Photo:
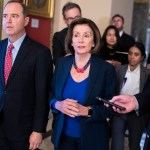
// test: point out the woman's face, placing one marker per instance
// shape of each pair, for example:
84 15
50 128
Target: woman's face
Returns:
82 39
134 56
111 38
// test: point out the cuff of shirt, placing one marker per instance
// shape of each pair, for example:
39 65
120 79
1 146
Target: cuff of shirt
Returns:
52 105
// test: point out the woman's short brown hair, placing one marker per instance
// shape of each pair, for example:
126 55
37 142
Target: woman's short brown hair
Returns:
97 36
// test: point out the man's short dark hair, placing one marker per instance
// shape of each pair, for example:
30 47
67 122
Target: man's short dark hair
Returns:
118 15
69 6
24 8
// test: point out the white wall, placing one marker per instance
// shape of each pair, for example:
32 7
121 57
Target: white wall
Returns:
97 10
124 8
100 11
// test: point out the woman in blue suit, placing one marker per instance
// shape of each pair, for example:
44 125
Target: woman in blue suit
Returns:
80 121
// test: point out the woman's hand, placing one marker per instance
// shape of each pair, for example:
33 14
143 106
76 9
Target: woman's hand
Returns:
83 110
69 107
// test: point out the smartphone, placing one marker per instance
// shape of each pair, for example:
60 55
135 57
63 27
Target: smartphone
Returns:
110 103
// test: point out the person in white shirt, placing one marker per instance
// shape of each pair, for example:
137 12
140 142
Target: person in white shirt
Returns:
130 81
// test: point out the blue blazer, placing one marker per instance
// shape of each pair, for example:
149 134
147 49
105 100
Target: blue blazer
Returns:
94 129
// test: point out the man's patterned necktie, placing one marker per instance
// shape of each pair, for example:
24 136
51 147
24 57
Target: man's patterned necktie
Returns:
8 63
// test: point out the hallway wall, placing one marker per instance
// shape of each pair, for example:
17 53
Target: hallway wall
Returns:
98 10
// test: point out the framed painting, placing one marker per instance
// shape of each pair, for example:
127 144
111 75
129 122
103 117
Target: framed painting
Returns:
41 8
1 9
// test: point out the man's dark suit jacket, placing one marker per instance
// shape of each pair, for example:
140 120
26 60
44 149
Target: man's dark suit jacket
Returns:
144 98
101 82
25 96
126 42
58 45
144 107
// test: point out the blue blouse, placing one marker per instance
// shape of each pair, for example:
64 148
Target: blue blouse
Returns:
77 91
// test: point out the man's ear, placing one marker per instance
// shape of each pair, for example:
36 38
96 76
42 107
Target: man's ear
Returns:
26 21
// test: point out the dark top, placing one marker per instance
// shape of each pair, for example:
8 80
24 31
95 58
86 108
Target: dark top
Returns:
112 54
126 42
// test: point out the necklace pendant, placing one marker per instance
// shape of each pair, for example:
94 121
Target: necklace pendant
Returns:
80 70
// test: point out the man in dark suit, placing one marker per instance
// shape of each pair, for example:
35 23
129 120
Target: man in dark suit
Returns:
24 95
70 12
126 40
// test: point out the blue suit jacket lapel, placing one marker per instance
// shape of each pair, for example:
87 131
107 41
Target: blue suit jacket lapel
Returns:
63 73
92 78
3 46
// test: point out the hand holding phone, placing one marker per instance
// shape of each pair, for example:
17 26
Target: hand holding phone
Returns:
110 103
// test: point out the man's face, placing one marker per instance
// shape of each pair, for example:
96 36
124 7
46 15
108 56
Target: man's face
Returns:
118 23
71 15
14 21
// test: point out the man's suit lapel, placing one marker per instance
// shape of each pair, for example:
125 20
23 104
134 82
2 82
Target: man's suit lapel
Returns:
23 51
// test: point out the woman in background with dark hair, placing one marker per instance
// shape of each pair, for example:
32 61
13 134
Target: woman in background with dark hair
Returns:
111 47
131 79
80 121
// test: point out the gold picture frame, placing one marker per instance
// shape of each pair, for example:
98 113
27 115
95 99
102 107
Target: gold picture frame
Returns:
41 8
1 10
